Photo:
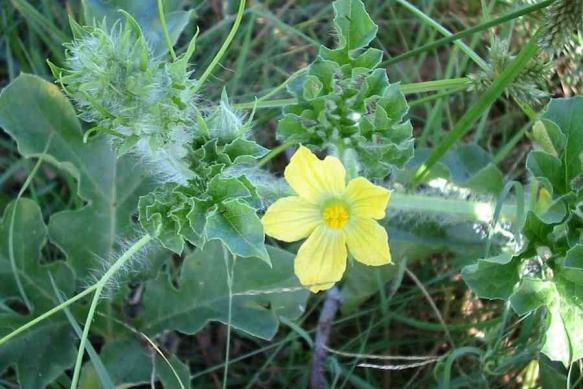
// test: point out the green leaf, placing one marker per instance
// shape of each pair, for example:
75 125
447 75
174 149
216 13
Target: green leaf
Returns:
236 225
548 136
548 169
564 337
560 136
567 113
354 26
537 229
574 258
468 166
312 87
35 113
221 189
260 294
42 353
243 150
347 107
531 295
552 375
471 166
163 214
146 13
562 299
493 278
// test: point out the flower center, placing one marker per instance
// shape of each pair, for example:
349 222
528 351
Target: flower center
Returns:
336 215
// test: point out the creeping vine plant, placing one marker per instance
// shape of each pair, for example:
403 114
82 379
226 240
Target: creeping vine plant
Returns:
171 197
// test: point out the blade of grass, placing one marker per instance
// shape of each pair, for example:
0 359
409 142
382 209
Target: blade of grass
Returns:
104 377
165 29
44 28
217 58
11 255
230 272
470 31
428 20
476 110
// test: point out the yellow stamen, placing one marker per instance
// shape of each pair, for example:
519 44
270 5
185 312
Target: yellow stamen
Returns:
336 215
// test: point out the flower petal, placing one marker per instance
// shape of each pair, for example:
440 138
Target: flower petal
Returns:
290 219
321 260
367 200
368 242
312 178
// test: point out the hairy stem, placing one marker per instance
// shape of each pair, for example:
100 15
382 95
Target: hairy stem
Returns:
48 314
464 209
100 285
116 266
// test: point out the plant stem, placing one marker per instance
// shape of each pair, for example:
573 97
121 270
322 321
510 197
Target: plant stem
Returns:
464 209
47 314
275 152
165 29
412 88
283 84
436 96
331 305
277 103
436 85
225 46
98 289
85 335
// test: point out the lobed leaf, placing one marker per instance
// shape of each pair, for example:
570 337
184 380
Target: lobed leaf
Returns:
43 353
36 114
260 294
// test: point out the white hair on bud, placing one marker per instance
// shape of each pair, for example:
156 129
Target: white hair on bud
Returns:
119 85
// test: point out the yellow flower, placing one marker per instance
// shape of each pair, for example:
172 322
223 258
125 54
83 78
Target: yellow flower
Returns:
332 215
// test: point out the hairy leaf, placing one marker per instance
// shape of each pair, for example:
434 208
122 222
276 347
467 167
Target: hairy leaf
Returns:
237 226
354 26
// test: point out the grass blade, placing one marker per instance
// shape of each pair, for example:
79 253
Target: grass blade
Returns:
100 369
470 31
476 110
